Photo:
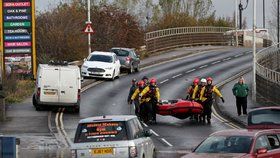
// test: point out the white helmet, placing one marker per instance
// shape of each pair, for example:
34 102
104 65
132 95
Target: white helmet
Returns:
203 80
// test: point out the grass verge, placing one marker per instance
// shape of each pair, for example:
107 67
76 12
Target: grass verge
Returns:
17 90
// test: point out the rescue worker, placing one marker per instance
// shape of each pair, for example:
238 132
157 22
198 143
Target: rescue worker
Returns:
152 98
135 97
190 92
206 97
191 88
146 81
196 95
132 89
197 89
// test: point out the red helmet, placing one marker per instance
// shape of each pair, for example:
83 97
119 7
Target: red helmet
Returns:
196 80
141 83
209 79
153 81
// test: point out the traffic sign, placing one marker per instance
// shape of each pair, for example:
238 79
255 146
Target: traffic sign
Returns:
89 29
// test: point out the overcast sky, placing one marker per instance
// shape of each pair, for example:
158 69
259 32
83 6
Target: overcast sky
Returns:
222 7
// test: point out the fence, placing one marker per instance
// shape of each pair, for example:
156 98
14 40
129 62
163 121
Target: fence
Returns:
187 36
267 74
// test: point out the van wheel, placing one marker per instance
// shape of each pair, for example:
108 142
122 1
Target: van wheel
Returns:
35 104
76 109
154 154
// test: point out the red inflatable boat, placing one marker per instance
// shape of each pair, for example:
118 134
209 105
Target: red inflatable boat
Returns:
181 109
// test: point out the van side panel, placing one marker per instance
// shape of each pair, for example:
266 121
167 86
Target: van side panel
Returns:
69 85
49 84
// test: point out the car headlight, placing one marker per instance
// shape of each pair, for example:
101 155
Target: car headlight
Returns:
109 68
84 66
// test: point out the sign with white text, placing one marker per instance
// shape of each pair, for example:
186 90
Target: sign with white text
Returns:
18 36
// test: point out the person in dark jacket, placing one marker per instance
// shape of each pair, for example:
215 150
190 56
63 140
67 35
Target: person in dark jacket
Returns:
132 89
240 91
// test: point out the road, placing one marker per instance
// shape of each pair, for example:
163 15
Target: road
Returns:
172 136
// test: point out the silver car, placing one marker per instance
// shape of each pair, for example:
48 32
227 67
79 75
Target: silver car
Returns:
128 58
119 136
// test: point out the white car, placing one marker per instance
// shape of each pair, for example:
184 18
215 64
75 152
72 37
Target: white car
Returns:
115 136
101 65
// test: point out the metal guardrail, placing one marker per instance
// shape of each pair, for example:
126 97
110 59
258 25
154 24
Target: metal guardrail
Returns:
187 36
185 30
268 63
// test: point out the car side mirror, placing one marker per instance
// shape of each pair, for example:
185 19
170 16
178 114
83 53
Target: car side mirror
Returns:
148 133
261 151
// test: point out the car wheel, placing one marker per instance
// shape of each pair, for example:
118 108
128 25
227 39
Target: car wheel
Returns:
113 76
131 69
137 69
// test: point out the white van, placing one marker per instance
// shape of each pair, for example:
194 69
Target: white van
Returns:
57 85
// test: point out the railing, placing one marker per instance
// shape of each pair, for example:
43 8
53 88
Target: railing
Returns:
267 64
267 75
185 30
187 36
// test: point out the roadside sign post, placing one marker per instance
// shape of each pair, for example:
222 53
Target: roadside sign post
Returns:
2 99
89 22
18 36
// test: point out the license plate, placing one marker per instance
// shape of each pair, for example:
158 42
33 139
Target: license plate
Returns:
102 151
49 93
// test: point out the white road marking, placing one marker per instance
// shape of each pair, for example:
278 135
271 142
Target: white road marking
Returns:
227 59
238 55
154 133
165 141
216 62
190 70
201 67
164 81
177 75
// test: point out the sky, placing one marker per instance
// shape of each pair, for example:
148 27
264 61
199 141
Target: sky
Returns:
222 7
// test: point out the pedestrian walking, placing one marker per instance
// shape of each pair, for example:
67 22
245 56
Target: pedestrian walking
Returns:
240 91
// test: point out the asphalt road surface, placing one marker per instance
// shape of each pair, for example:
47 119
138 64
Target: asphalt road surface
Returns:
173 137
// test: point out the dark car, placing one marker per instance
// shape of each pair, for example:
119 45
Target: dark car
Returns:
128 58
239 144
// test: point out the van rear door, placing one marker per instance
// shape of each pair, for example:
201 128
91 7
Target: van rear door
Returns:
50 84
69 81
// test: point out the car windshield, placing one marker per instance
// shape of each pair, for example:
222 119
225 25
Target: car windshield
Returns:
101 132
120 52
266 116
225 144
101 58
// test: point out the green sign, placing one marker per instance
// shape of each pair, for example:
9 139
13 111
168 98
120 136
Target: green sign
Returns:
17 24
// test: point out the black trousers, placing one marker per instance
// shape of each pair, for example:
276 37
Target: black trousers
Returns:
241 102
207 108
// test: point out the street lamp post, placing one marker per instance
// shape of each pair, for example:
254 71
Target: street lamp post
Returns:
254 51
236 21
263 14
278 23
88 22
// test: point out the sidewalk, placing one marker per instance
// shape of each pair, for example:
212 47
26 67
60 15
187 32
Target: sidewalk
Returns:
228 108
